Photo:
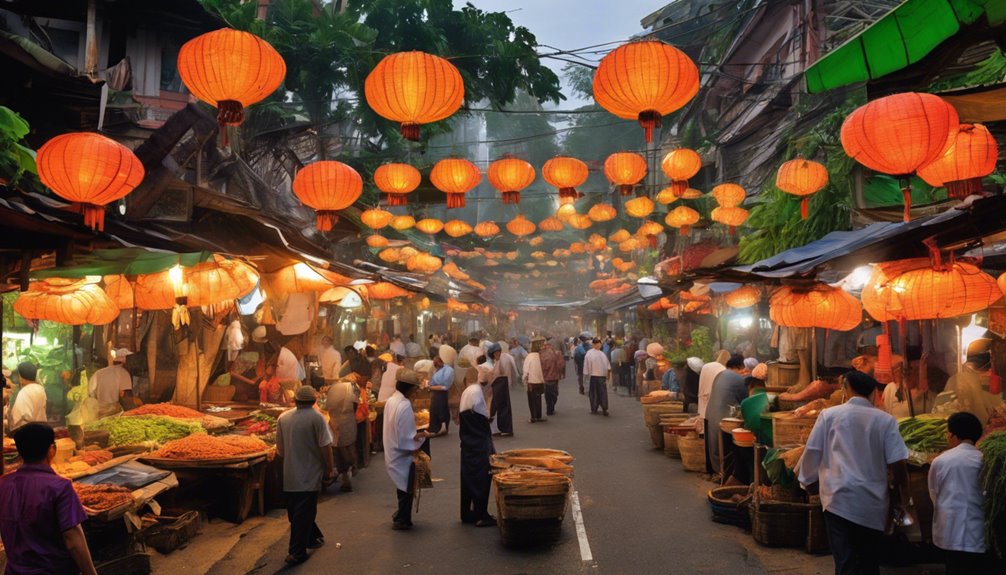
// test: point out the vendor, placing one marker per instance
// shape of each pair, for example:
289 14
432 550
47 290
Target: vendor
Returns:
757 403
29 404
112 385
270 389
967 390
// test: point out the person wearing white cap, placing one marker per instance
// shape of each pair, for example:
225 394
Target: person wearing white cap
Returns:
534 379
110 384
29 405
690 389
401 441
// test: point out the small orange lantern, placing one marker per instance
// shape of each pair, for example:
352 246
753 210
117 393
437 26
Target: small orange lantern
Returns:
742 297
564 212
602 212
397 180
971 156
566 174
520 226
402 223
429 226
729 195
801 178
551 224
510 175
596 242
486 229
375 218
455 177
578 247
327 186
730 217
683 218
629 245
819 305
649 231
414 88
376 241
639 207
579 222
423 262
625 170
645 80
385 290
390 255
230 70
620 236
681 165
89 170
457 228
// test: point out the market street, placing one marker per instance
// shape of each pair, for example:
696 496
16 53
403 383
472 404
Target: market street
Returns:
642 514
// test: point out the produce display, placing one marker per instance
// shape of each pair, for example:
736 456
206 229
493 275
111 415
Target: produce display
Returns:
210 447
819 389
101 497
143 429
993 480
997 420
166 409
258 424
92 457
925 433
422 418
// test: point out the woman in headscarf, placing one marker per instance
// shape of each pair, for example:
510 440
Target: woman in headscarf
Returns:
499 377
690 390
706 378
476 449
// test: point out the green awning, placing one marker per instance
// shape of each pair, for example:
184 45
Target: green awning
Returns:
901 38
125 261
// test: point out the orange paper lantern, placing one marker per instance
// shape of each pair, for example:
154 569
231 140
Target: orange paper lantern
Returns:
625 170
602 212
819 305
390 255
551 224
457 228
509 176
801 178
639 207
120 290
971 156
565 173
520 226
645 80
66 301
327 186
397 180
729 195
376 241
385 290
230 70
455 177
681 165
375 218
429 226
423 262
649 232
402 223
742 297
683 218
579 222
899 134
90 171
629 245
915 289
619 236
564 212
218 281
486 229
730 217
414 88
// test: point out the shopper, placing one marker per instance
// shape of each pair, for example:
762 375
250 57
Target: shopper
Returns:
534 379
553 368
476 448
109 385
958 517
440 387
706 379
471 351
304 441
849 454
330 359
579 353
498 373
401 441
597 368
40 513
388 380
690 389
728 389
341 402
29 405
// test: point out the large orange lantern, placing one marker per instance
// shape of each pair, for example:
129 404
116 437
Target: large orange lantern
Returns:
89 170
683 218
414 88
680 166
457 228
971 156
375 218
551 224
327 186
423 262
602 212
729 195
120 290
899 134
397 180
455 177
230 70
66 301
645 80
625 170
819 305
486 229
429 226
565 173
218 281
801 178
402 223
732 217
639 207
742 297
520 226
917 289
509 176
385 290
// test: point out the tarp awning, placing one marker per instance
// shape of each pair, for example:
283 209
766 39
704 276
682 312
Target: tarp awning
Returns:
125 261
901 38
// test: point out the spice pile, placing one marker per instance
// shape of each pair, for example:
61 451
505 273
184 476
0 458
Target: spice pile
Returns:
92 457
165 409
210 447
143 428
101 497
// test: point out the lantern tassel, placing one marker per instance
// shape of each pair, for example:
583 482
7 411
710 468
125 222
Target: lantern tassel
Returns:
961 189
804 208
326 220
511 197
455 201
94 216
179 316
906 192
678 187
396 199
652 241
648 120
410 132
625 189
684 230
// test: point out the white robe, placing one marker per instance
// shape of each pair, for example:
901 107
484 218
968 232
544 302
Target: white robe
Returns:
399 439
474 398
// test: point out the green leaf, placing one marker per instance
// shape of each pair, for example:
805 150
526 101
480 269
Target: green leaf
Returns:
12 125
25 158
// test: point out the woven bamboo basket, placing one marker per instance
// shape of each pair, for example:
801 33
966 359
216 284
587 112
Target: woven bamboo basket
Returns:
502 461
653 411
531 506
779 524
656 435
215 393
788 430
693 453
817 531
658 396
726 510
557 454
673 418
671 444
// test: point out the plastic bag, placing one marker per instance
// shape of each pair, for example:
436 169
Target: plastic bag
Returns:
85 412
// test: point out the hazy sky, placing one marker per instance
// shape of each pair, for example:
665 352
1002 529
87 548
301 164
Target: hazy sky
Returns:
571 24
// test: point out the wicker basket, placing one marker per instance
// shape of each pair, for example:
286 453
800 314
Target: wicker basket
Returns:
170 533
557 454
778 524
219 393
671 444
504 461
656 436
789 430
693 453
817 531
652 411
727 511
530 506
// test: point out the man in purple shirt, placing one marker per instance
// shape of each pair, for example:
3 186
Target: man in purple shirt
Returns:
40 513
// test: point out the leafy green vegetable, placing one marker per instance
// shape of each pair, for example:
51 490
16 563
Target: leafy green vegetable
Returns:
924 433
143 428
993 480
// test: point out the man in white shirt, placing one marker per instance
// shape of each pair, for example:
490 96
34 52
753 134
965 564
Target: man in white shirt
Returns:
707 377
597 368
534 379
397 346
331 360
849 454
110 384
388 380
29 405
401 441
954 486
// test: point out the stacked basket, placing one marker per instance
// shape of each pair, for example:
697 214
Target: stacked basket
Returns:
652 413
532 492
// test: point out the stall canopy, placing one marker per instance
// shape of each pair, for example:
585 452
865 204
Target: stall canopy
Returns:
904 36
125 261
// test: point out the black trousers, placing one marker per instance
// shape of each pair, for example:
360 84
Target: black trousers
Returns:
302 510
579 377
964 563
708 435
598 393
440 411
534 393
404 513
551 396
854 547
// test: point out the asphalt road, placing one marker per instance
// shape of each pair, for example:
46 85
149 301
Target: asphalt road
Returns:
641 514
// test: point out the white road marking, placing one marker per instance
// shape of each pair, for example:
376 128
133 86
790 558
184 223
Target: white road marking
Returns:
581 531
